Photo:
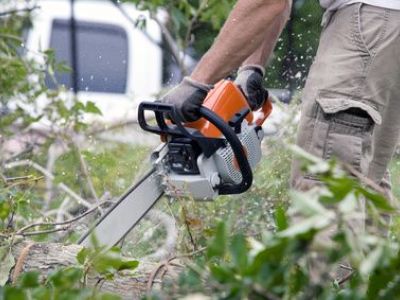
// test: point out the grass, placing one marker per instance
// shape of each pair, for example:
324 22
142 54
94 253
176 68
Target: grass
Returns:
395 175
111 168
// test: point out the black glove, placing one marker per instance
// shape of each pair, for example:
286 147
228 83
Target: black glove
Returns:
250 80
187 97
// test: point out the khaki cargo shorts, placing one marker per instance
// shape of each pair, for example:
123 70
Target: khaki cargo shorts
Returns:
351 101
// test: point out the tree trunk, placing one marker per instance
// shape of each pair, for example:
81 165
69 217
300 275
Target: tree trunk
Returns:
45 258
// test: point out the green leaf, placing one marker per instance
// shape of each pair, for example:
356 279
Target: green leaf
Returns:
63 67
280 218
272 255
348 204
178 18
92 108
6 264
78 106
378 200
42 293
297 280
109 297
308 225
307 203
63 111
13 293
218 244
300 153
82 255
378 281
371 261
5 209
111 261
128 265
29 280
239 252
66 278
339 186
221 274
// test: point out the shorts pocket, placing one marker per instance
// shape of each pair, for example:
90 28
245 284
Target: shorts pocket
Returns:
343 135
332 102
344 146
371 24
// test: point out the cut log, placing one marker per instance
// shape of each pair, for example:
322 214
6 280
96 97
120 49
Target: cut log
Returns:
47 257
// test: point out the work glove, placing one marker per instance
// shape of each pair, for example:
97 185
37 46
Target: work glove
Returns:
187 97
250 80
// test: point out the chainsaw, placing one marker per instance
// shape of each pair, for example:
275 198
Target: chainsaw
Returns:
215 155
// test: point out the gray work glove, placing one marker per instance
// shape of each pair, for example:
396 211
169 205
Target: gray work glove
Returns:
187 97
250 79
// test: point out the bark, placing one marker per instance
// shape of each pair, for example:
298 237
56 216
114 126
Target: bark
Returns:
46 257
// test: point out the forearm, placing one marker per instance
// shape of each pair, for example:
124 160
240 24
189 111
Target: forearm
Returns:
241 37
261 55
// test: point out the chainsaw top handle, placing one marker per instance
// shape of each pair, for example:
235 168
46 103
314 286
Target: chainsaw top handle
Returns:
164 127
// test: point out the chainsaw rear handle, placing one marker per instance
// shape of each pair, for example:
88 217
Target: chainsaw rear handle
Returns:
162 110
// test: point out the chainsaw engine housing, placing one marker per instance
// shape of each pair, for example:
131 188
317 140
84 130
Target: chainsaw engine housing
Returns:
198 176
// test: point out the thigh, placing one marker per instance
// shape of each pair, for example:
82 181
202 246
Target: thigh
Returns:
337 119
337 79
345 135
383 84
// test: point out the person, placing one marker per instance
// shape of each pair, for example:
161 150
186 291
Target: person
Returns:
246 40
350 102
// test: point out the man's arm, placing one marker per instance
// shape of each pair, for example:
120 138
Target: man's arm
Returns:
249 35
271 35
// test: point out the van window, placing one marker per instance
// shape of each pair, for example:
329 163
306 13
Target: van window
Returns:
172 74
102 56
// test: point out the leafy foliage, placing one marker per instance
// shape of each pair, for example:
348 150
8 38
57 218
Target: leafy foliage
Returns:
24 97
65 283
104 262
280 266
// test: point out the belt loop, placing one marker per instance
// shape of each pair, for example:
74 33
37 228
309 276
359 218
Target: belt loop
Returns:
326 18
359 28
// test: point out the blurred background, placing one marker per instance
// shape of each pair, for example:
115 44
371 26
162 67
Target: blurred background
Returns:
116 52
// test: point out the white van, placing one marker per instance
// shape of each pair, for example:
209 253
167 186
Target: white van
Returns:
118 63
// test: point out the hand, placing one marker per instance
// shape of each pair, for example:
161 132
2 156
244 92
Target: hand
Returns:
187 97
250 80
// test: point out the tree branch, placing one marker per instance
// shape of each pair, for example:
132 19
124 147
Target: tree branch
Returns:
20 10
32 233
171 43
368 182
61 185
25 228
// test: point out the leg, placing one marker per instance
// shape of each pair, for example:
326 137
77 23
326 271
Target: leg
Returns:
352 88
332 88
356 69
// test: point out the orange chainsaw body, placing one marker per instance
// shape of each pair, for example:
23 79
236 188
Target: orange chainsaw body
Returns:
226 100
